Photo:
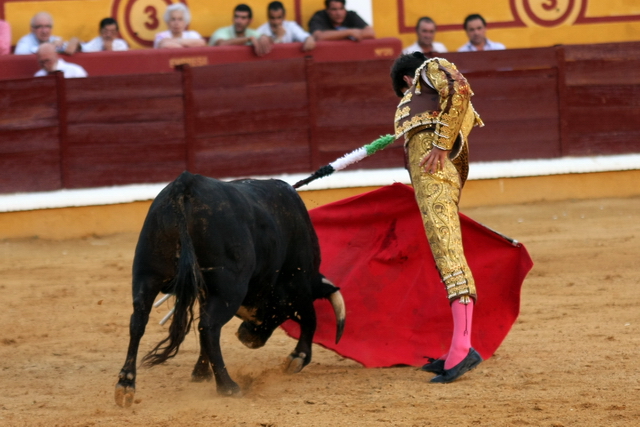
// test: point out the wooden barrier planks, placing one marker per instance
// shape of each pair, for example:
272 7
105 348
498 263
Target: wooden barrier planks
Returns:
516 95
124 129
251 116
602 95
29 140
503 60
520 112
355 104
295 114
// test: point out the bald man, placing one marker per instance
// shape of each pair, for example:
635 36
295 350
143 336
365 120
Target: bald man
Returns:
49 61
41 26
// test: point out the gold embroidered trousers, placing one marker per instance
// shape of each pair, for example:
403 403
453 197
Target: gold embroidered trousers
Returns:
438 195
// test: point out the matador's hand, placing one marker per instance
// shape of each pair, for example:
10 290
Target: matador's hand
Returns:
434 161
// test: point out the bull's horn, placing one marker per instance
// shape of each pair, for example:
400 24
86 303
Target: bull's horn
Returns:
341 312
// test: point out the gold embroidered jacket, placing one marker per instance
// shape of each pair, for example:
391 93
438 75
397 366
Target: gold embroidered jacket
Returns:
439 99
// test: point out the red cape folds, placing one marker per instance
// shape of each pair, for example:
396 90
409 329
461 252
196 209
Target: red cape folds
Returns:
375 249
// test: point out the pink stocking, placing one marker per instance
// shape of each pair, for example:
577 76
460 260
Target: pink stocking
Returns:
461 340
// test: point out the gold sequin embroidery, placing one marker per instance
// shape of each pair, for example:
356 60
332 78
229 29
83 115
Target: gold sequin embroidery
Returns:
437 196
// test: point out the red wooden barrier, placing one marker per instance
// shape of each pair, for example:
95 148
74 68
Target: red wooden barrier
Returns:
516 94
602 104
29 136
296 114
354 105
251 117
124 129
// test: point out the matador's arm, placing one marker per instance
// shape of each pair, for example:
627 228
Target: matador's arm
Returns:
455 95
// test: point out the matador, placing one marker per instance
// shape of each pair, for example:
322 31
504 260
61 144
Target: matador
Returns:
435 117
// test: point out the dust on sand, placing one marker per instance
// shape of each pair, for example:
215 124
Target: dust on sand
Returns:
570 360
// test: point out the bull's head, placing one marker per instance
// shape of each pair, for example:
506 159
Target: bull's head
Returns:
254 335
259 324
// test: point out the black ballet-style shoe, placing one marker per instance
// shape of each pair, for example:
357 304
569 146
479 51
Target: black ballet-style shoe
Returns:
472 360
435 366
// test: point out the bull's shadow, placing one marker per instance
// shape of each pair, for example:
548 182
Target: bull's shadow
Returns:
244 248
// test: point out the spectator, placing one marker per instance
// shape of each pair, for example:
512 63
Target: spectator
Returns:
5 37
41 25
107 40
240 34
476 29
335 23
281 31
47 55
426 32
178 18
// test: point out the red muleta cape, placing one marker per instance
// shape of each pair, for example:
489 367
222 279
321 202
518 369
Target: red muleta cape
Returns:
375 249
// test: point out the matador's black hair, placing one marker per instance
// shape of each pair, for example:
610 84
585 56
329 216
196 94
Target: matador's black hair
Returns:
405 65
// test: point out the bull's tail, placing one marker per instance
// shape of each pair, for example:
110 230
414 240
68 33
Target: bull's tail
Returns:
186 285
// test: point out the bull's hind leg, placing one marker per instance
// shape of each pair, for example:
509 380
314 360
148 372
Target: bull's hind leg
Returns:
301 356
216 313
202 370
142 304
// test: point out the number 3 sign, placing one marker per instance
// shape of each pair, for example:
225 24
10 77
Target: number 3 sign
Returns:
549 13
140 20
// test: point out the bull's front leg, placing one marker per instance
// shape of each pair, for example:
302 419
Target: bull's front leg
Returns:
301 356
126 386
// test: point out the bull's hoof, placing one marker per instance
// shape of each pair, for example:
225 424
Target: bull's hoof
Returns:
230 390
198 378
294 364
124 395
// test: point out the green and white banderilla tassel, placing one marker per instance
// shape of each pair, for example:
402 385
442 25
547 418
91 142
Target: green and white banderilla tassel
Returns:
348 159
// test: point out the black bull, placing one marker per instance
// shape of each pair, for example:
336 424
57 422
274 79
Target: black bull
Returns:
244 248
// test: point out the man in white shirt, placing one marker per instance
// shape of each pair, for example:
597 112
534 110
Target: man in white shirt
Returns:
281 31
41 25
48 59
476 29
426 32
107 40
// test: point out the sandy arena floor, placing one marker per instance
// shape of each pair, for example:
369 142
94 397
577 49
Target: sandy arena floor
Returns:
570 360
